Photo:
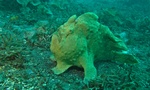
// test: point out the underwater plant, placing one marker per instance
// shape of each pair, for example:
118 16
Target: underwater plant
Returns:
11 45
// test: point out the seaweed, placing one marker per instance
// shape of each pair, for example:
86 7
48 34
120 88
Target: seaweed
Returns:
11 45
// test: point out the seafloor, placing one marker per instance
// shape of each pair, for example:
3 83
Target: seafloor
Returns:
25 34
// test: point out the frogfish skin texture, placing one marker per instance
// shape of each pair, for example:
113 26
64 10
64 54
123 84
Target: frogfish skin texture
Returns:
81 41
